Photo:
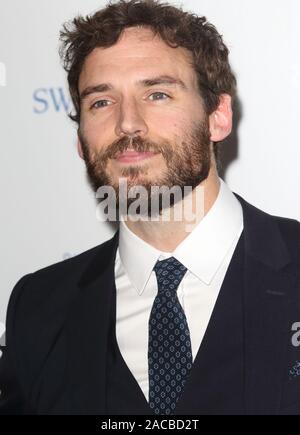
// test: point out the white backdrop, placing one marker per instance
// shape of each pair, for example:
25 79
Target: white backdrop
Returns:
48 210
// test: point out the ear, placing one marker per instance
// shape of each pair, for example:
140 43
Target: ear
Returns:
220 121
79 148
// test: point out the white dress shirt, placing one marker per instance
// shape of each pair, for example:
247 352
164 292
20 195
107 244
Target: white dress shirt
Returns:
206 252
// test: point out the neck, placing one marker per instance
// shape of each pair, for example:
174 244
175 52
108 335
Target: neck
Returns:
166 235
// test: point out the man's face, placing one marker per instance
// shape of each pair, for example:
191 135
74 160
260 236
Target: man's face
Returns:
142 116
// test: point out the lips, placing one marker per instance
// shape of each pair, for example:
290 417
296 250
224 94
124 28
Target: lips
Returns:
134 156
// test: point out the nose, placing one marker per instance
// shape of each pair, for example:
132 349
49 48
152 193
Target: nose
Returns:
130 120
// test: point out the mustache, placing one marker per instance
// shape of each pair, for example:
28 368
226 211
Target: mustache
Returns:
120 145
138 144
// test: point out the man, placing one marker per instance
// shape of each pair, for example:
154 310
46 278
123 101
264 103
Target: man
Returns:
164 318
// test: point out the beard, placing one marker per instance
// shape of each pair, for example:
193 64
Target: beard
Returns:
187 163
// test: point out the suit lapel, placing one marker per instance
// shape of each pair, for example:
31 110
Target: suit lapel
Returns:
87 332
267 291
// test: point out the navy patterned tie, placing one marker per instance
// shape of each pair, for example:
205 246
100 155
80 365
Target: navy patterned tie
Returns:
169 347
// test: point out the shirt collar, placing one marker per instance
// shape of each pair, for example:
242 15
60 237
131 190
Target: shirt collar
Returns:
201 252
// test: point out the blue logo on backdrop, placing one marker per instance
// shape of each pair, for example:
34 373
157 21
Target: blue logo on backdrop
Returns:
51 99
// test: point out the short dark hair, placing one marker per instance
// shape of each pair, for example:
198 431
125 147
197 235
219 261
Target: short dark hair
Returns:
176 27
172 24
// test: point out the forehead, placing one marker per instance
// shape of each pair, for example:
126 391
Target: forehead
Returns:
137 54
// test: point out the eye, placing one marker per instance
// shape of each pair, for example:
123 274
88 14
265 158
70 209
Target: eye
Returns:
100 103
159 94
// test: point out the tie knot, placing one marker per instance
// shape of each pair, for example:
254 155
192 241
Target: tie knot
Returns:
169 273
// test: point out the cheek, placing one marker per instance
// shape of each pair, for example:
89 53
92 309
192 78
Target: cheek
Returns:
96 135
167 124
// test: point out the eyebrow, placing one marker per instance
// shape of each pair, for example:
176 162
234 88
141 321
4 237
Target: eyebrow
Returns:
160 80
